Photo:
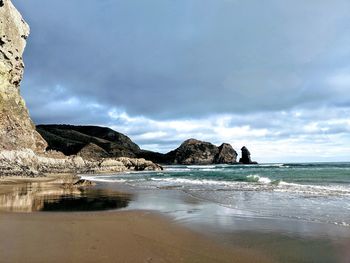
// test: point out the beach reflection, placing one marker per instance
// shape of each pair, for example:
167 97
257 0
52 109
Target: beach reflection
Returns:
34 197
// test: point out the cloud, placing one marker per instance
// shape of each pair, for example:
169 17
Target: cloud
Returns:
273 75
219 57
276 136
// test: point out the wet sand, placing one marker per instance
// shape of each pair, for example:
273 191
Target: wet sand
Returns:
108 237
149 226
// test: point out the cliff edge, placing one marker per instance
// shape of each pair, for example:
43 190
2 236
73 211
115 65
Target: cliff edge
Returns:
17 130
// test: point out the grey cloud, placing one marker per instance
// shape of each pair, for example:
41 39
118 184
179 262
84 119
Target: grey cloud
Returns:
270 74
170 59
55 104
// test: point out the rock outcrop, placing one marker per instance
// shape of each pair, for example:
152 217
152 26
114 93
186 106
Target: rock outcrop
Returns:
193 151
245 159
27 163
17 131
93 152
226 155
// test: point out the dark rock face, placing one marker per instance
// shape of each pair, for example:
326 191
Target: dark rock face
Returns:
155 157
198 152
194 152
92 152
226 154
71 140
95 143
245 159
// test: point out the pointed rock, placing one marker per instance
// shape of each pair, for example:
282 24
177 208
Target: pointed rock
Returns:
246 159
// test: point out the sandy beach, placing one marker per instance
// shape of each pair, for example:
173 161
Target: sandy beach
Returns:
110 236
107 237
147 226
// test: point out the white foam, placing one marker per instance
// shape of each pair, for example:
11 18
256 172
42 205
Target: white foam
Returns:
110 179
272 165
192 181
264 180
201 166
170 169
261 184
211 169
313 189
254 183
259 179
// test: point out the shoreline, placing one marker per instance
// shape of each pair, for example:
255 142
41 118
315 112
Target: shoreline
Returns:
104 236
107 236
161 225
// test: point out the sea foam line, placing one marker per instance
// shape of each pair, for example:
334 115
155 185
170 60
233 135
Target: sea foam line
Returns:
105 179
257 183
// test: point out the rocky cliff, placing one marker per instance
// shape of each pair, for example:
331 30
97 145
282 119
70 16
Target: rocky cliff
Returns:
17 131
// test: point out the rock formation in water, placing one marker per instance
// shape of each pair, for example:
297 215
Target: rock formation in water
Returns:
22 149
245 159
193 151
226 155
17 131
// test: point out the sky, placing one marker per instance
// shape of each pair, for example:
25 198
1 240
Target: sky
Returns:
271 75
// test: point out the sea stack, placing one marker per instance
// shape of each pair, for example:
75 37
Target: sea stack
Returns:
17 130
245 159
193 151
226 155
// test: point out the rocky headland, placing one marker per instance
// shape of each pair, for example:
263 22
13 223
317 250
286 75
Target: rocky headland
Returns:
91 142
94 143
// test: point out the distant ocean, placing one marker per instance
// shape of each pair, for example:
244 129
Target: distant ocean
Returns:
316 192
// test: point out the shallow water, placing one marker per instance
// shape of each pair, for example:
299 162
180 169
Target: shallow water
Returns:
307 192
284 239
245 225
41 197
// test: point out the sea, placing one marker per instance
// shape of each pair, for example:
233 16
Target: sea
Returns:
290 212
311 192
